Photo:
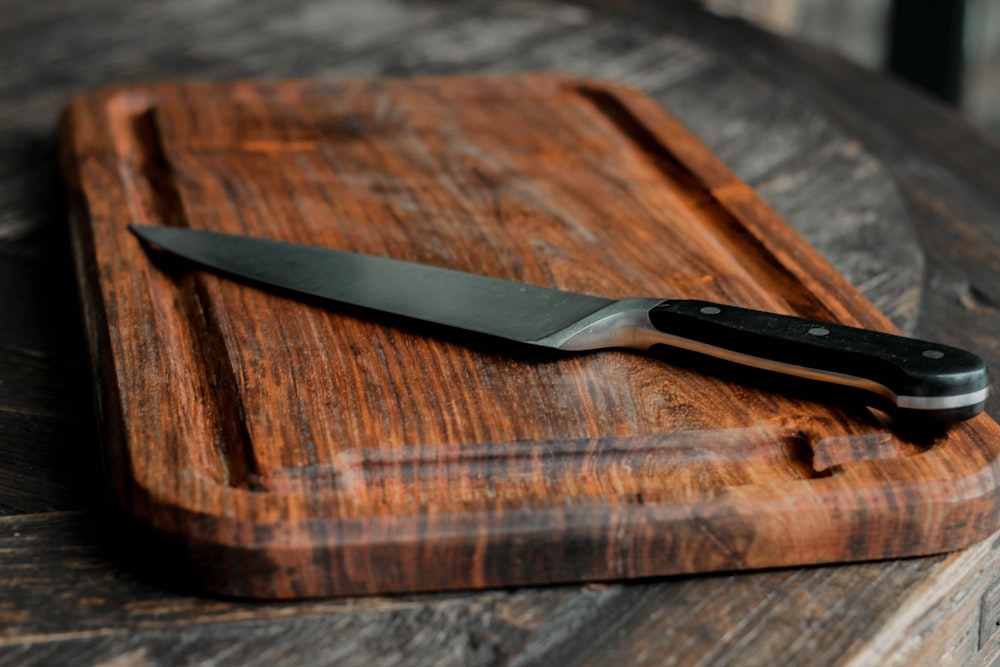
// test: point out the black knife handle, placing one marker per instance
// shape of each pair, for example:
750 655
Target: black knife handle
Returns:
912 374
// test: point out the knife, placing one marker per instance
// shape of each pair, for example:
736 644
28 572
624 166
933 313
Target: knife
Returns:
904 374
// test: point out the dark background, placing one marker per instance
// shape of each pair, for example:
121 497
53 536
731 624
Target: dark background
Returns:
950 48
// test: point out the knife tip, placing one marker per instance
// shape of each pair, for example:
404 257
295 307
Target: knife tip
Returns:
150 234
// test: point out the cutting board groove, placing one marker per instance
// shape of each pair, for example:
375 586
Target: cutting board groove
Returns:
704 192
298 451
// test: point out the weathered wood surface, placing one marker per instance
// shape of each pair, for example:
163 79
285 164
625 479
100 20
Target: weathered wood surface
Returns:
898 193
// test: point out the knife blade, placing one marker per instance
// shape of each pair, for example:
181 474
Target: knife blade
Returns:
906 374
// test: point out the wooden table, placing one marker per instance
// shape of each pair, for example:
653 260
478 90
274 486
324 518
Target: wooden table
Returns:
899 193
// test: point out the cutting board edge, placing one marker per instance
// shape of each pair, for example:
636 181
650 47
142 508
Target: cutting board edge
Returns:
476 558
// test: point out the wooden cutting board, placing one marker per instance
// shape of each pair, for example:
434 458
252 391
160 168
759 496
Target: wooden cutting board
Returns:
296 451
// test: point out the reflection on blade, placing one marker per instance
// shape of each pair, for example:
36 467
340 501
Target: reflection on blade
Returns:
515 311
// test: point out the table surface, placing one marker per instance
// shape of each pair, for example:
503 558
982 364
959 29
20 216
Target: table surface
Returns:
898 192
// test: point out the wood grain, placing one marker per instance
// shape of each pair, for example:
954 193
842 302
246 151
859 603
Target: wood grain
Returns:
298 452
897 192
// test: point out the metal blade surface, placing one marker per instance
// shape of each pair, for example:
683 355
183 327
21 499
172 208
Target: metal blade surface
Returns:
492 306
